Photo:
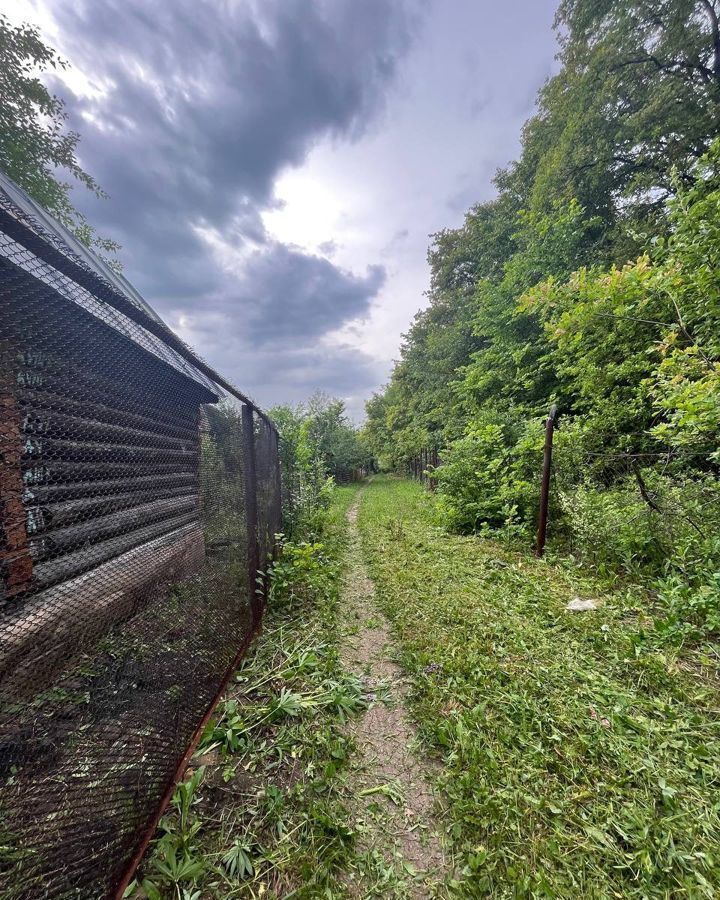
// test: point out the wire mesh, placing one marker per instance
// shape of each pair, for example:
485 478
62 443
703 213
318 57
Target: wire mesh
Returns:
268 489
127 562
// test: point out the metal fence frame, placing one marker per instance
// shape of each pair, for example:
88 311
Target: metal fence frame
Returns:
28 232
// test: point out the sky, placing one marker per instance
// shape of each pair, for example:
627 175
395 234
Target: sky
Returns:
274 168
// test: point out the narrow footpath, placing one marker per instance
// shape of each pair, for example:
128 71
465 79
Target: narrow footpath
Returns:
400 846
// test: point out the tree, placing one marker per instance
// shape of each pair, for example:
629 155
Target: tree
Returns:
627 117
514 366
337 441
34 142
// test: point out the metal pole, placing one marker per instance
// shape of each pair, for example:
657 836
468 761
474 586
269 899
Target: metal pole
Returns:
277 523
251 517
545 486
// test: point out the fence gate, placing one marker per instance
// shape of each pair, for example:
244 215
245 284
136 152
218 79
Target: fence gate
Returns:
139 493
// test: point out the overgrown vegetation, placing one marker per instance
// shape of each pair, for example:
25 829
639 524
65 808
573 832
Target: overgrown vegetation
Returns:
318 446
591 281
262 811
579 759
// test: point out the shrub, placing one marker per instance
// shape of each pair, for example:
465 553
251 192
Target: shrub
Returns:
612 527
673 544
490 478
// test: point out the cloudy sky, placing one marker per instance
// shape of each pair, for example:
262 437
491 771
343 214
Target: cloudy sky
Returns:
275 166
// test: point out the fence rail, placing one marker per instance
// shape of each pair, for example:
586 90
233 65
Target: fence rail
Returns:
139 499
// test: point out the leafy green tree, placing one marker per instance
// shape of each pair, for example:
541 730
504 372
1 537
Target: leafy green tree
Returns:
592 280
632 109
317 444
303 473
637 347
337 441
515 364
420 408
34 143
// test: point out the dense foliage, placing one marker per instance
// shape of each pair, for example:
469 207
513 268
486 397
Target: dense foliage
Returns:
318 446
591 281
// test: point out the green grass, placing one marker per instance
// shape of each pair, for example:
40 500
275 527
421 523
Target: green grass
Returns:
263 811
577 759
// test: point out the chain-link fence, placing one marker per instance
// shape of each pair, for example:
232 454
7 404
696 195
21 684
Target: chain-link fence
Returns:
139 497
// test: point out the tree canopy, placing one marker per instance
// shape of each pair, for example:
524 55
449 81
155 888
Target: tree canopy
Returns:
35 144
608 171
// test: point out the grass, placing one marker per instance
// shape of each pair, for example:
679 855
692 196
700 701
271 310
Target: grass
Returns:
578 759
264 812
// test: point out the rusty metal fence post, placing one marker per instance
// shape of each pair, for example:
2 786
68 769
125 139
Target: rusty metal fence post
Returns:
545 483
277 477
433 466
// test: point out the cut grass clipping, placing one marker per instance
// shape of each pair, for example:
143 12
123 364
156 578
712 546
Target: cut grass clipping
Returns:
262 811
578 759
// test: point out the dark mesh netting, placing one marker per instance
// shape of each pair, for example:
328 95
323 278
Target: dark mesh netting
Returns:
268 489
138 500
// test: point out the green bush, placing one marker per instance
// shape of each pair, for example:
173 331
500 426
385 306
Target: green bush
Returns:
671 541
612 528
688 610
490 478
302 569
318 446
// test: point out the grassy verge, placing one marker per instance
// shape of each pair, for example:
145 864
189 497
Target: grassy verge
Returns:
262 811
578 759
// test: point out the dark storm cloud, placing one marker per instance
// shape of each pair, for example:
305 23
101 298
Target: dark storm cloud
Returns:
261 332
297 374
293 295
283 370
292 374
220 98
203 105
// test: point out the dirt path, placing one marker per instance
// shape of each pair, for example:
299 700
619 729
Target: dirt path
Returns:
401 850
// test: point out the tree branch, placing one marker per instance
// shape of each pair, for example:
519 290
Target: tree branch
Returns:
669 66
712 15
645 494
643 488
